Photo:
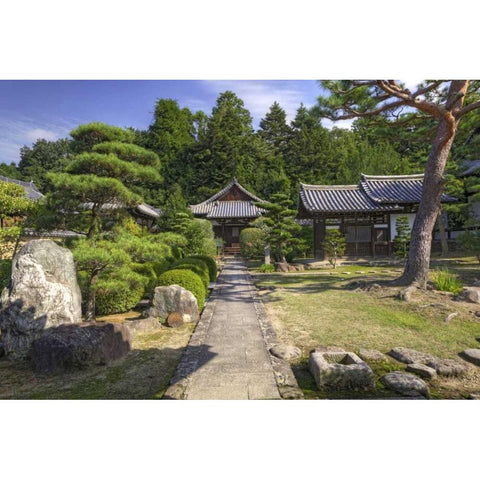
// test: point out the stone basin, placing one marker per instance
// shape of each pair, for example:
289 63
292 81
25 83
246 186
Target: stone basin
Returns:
340 371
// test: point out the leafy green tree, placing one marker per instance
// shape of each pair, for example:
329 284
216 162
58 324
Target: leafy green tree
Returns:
13 203
252 242
198 233
401 242
445 103
278 223
174 204
94 258
10 170
469 242
334 245
40 159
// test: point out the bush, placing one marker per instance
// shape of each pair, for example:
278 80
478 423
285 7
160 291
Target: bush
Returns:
5 273
334 245
119 293
211 264
197 266
147 270
446 281
266 268
252 242
186 279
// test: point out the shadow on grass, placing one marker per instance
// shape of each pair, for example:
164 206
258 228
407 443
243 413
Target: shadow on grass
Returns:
141 374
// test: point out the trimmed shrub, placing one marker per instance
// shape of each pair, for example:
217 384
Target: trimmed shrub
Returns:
5 273
211 264
252 242
120 293
446 281
266 268
197 266
186 279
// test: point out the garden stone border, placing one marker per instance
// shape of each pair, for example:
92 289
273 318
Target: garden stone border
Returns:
286 381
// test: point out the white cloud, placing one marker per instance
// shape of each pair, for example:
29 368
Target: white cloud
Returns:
37 133
17 131
346 124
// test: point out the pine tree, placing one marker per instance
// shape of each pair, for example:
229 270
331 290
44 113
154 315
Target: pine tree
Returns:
334 245
278 223
401 242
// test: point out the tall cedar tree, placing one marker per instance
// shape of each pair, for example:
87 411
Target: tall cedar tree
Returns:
447 102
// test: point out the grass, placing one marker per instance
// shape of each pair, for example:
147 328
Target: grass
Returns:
316 308
143 374
447 281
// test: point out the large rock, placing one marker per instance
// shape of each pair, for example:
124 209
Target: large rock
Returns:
43 293
281 267
448 368
167 300
470 294
408 355
472 355
70 347
371 355
286 352
423 371
405 384
340 371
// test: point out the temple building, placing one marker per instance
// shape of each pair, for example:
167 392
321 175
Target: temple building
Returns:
230 210
365 213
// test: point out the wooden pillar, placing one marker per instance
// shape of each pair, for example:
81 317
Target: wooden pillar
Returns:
318 238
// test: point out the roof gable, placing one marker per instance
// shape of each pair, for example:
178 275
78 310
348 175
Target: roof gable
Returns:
30 188
233 201
393 188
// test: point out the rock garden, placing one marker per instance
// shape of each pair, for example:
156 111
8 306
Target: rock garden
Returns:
50 350
360 337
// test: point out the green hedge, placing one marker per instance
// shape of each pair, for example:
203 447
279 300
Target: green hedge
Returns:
195 269
211 264
197 266
120 292
186 279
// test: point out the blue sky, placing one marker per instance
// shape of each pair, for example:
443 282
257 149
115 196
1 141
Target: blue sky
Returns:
51 109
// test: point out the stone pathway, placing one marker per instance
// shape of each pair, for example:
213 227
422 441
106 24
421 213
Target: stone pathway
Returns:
227 357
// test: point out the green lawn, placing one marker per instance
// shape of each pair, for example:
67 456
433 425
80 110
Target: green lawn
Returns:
316 308
143 374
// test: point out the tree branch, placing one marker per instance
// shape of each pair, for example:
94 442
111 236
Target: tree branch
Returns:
467 109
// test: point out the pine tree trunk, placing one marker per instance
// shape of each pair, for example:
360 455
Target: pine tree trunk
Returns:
418 262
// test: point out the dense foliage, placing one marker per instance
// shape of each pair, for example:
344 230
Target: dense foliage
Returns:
252 242
401 242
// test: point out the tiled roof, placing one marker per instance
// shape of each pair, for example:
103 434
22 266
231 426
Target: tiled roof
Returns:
393 188
338 199
234 209
143 208
372 194
471 167
214 208
30 188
